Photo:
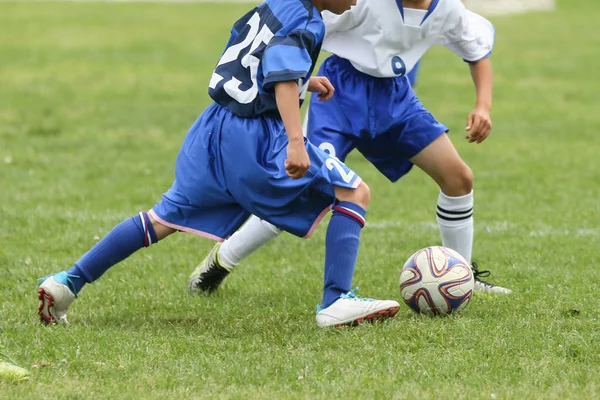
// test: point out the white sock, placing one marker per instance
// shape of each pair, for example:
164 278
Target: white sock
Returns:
455 219
254 234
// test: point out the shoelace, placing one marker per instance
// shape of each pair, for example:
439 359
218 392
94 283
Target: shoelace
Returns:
477 274
351 295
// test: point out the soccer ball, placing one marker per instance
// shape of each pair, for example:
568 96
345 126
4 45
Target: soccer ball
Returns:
436 281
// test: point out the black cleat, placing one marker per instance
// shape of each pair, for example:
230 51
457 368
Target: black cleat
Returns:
207 276
486 287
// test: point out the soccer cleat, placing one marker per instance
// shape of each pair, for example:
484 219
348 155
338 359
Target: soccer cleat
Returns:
486 287
209 274
56 294
350 310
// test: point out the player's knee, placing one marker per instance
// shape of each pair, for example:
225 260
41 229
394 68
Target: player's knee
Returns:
162 231
460 182
361 195
465 180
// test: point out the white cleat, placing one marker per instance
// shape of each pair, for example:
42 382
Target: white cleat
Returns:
55 298
351 310
486 287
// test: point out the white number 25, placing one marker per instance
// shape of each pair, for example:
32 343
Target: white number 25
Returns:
254 39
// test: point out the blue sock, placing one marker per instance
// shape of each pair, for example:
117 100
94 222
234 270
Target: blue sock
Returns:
341 249
122 241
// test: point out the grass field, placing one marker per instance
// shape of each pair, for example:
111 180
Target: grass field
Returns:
94 102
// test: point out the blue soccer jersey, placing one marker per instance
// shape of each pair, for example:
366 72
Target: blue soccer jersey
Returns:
277 41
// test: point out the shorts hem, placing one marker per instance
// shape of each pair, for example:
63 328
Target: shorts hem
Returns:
184 228
356 182
316 222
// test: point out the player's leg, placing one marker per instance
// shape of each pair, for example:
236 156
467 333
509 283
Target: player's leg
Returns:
343 239
261 185
326 126
327 129
196 202
408 134
341 305
57 291
335 127
441 161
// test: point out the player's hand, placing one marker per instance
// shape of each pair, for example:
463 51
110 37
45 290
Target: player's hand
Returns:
479 125
297 162
322 86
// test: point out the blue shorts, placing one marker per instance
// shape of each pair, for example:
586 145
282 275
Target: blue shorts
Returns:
381 117
230 167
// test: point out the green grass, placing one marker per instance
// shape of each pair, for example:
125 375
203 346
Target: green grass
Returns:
94 102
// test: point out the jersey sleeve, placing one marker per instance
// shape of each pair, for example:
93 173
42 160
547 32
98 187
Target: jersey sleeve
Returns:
472 36
289 58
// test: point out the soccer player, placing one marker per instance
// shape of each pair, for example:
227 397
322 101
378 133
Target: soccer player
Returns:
375 45
246 155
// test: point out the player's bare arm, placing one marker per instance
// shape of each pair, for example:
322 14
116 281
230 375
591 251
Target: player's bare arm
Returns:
479 122
322 86
286 95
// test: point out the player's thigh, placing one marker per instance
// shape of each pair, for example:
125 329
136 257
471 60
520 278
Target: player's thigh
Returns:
443 164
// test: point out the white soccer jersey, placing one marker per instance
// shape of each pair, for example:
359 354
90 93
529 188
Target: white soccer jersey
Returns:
383 39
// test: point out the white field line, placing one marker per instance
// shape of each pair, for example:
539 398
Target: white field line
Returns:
112 216
540 231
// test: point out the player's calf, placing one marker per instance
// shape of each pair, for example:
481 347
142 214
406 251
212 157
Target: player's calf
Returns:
342 242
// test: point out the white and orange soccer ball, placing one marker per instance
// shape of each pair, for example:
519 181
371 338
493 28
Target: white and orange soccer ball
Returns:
436 281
